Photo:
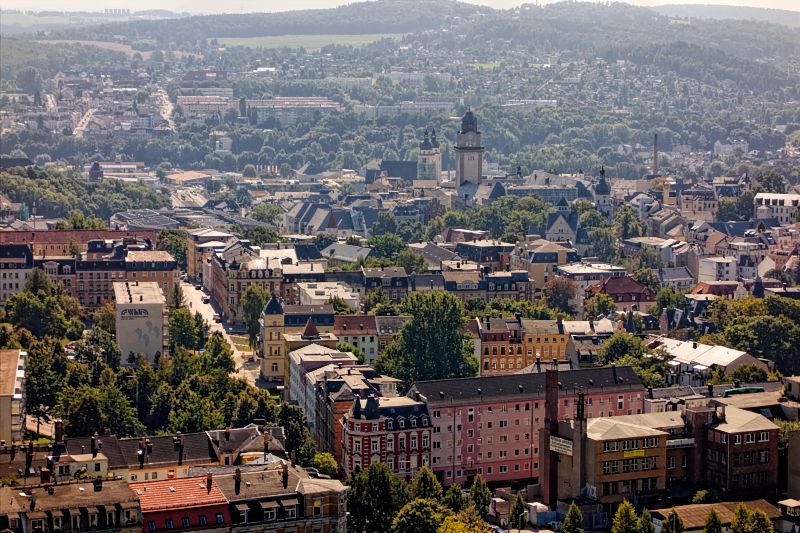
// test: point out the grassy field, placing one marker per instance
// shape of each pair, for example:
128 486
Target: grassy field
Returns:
309 42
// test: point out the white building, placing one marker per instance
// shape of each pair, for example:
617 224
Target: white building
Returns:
141 319
717 269
783 207
321 293
12 396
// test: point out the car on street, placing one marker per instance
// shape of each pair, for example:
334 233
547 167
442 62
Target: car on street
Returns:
198 287
206 299
217 318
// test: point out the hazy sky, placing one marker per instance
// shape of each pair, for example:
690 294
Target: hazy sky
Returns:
214 6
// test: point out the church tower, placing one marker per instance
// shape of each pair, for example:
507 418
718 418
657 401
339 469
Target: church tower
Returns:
602 195
429 159
468 151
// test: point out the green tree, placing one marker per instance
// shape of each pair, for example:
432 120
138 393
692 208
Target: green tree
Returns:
387 245
573 523
425 485
432 345
413 262
325 463
29 80
647 277
646 524
182 329
454 498
218 354
668 298
625 519
105 318
249 171
374 499
45 369
295 428
177 301
174 242
604 244
626 223
253 302
559 293
516 513
713 523
481 496
340 306
385 223
419 516
620 344
599 304
268 213
347 347
673 523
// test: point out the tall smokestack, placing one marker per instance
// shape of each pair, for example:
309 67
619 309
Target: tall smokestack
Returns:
655 154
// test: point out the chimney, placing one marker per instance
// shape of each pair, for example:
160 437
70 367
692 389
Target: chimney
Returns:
94 444
209 481
228 433
710 390
44 474
655 154
237 477
285 473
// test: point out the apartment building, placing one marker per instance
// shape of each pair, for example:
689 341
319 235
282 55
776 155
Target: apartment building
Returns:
142 320
198 243
336 389
508 345
782 207
540 258
490 425
394 431
12 396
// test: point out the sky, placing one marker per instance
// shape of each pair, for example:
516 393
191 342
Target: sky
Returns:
246 6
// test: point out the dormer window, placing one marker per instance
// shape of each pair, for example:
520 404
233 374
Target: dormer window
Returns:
401 423
389 424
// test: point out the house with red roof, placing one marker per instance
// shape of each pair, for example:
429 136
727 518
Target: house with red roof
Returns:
625 291
184 504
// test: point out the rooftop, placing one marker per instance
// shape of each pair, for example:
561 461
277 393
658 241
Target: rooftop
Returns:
147 292
184 493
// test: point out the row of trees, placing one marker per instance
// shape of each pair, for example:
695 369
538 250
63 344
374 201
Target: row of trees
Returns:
744 521
380 502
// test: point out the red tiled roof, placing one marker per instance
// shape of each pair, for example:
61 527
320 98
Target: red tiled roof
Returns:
620 285
354 324
180 493
723 288
65 236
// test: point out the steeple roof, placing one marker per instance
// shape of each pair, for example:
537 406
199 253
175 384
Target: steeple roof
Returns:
310 331
469 122
273 306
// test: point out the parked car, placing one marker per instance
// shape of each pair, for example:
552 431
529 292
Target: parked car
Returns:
206 299
217 318
198 287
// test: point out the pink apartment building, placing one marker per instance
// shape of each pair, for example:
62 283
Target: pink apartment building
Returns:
490 425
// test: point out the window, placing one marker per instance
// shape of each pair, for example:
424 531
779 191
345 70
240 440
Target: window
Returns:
151 525
611 446
220 518
270 515
763 436
317 507
290 512
202 520
169 524
671 462
375 445
185 521
750 438
737 439
357 446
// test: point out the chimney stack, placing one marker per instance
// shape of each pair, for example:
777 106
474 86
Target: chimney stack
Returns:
285 473
209 481
237 477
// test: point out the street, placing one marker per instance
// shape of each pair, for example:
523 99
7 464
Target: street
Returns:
194 300
83 122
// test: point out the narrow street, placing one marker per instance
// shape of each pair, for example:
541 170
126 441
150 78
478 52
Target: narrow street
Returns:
194 299
83 122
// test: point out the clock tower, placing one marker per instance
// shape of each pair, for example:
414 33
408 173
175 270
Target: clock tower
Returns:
468 151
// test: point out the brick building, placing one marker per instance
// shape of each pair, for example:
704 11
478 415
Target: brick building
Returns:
395 431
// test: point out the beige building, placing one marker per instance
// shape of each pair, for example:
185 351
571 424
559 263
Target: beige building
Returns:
200 241
12 396
141 319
